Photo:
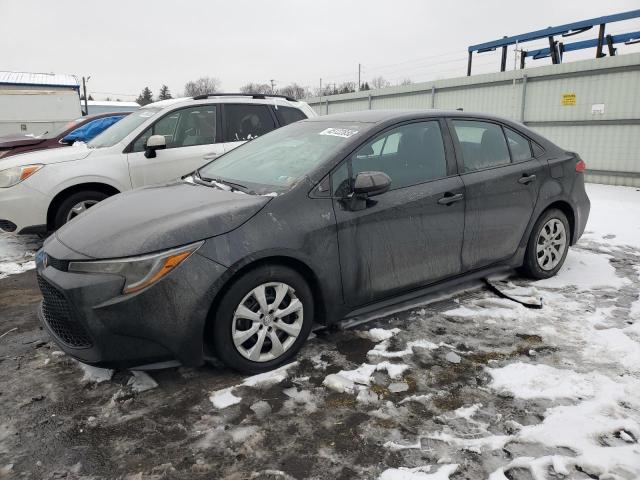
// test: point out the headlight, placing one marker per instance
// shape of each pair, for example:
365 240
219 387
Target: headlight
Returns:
14 175
139 272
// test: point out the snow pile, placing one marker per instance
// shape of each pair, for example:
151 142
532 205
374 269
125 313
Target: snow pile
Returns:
17 253
419 473
224 398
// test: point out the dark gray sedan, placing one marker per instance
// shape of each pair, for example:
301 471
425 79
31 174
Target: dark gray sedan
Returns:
320 220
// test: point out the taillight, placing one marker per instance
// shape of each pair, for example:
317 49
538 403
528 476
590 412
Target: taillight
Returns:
581 166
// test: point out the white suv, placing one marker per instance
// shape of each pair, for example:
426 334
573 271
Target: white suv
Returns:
162 141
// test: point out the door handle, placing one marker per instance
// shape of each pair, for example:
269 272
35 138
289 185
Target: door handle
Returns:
526 179
450 198
210 156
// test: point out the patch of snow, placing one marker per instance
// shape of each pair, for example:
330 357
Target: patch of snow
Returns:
524 380
269 378
141 381
419 473
379 334
467 412
242 434
224 398
381 350
261 408
585 271
17 253
423 399
94 374
452 357
398 387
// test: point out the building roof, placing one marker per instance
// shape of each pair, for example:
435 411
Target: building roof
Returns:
111 103
44 79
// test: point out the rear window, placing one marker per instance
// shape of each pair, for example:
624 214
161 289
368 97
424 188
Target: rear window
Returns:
287 115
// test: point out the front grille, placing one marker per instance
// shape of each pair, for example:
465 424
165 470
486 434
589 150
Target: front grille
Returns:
62 265
59 317
7 226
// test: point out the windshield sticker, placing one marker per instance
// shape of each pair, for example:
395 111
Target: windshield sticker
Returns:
339 132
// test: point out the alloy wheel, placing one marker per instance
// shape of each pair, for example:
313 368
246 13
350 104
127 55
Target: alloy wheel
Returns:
80 207
267 322
551 244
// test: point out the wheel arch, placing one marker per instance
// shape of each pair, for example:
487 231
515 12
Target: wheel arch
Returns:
320 314
566 208
70 190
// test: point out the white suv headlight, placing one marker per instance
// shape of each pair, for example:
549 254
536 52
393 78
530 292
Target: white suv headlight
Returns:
14 175
139 272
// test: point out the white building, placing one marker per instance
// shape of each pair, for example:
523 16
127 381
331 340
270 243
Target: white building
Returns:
35 103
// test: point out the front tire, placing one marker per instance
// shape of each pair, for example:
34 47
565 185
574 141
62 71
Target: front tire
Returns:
75 204
263 319
548 245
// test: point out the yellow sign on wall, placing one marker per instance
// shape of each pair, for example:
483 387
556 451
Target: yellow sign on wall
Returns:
568 99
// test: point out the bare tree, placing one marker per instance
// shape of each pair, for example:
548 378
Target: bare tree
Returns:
255 88
379 82
406 81
201 86
347 87
295 91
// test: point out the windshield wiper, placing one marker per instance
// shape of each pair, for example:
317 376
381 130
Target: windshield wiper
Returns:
212 181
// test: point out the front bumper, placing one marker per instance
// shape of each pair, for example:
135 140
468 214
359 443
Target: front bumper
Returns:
92 321
23 206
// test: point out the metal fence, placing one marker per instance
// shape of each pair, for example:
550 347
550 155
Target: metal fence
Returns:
590 106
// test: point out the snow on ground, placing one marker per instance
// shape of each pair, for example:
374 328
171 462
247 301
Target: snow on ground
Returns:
614 215
17 252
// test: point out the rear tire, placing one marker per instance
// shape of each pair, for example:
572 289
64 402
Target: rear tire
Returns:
75 204
547 246
263 319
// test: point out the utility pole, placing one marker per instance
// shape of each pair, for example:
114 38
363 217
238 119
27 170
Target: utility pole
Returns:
273 85
84 92
359 70
320 86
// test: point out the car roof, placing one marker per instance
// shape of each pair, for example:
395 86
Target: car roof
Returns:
185 101
380 116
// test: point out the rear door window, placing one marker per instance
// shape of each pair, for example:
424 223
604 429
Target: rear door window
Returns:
287 115
518 145
245 122
482 143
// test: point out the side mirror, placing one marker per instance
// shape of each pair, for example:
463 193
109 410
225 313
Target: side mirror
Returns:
370 184
154 142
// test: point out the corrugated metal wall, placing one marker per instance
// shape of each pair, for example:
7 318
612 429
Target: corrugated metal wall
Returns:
590 106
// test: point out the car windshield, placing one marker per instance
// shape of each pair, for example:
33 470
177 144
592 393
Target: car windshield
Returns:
277 160
53 133
121 129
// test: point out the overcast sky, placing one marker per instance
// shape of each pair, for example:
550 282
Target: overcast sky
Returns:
125 45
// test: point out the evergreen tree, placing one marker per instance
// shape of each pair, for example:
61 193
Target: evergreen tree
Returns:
145 97
164 94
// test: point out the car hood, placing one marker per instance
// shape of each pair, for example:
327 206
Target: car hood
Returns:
157 218
45 157
18 140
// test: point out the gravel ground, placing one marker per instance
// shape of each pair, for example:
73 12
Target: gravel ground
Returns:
468 387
